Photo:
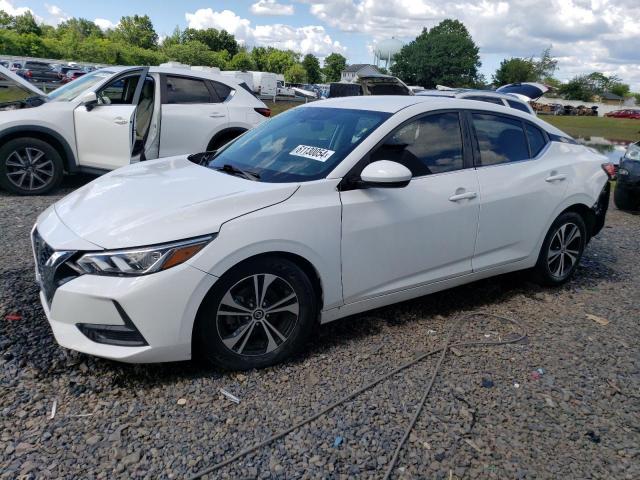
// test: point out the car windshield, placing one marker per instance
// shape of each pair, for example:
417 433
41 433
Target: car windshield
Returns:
71 90
300 145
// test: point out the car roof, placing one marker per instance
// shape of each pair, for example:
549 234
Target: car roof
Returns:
178 71
394 103
461 93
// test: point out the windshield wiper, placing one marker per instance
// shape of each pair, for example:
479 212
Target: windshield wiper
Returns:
228 168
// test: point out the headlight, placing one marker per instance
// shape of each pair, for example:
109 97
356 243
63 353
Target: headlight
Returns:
141 261
633 152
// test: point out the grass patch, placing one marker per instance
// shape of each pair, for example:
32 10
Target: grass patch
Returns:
611 128
282 106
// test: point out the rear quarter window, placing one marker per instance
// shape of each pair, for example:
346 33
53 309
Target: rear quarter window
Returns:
518 106
537 139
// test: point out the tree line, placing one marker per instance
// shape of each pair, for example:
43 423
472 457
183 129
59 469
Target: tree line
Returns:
447 55
134 41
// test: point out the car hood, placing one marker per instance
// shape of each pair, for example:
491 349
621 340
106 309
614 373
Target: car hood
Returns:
7 76
162 200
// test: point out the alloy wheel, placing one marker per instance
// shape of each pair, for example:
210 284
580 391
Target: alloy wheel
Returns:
564 250
29 168
257 314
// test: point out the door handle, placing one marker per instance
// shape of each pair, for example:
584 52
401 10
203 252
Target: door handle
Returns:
462 196
120 121
216 115
556 178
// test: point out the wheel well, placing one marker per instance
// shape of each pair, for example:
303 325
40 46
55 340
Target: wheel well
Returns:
45 137
224 136
587 214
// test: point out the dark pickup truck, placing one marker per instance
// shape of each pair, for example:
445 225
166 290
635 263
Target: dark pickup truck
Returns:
39 72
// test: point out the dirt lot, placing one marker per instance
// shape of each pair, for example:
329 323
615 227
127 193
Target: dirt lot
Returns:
489 415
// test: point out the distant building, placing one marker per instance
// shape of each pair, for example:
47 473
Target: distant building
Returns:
609 98
349 73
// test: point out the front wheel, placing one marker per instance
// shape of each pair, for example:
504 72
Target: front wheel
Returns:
256 315
29 166
561 250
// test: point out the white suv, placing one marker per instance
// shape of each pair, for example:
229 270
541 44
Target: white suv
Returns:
327 210
112 117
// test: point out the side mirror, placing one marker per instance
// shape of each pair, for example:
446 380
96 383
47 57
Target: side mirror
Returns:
89 100
385 174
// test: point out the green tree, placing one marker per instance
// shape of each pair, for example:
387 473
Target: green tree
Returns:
242 61
26 23
215 40
334 64
445 55
259 56
6 20
194 52
79 28
621 89
136 30
578 88
515 70
312 67
546 66
279 61
296 73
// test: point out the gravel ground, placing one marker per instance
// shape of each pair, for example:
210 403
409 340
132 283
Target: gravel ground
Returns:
489 415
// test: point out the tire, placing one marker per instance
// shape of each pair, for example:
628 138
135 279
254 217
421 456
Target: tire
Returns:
232 333
624 200
29 166
549 270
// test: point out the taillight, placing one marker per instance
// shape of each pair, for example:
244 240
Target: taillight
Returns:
265 112
610 170
29 74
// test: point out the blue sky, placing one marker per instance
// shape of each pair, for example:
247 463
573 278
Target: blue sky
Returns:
585 35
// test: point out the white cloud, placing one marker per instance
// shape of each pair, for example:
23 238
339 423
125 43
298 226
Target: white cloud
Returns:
56 13
584 34
271 7
8 7
104 24
308 39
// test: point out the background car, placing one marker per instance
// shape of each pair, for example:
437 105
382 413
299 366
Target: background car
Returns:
516 95
39 72
112 117
627 192
327 210
72 75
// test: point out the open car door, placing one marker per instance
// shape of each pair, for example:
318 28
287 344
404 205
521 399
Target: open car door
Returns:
105 131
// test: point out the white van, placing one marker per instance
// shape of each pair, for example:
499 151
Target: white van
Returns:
265 83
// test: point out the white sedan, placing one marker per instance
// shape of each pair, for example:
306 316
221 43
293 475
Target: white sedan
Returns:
327 210
113 117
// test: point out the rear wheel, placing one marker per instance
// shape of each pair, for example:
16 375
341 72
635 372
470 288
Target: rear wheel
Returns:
256 315
29 166
561 250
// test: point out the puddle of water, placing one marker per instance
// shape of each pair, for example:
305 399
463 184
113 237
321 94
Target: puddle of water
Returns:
613 149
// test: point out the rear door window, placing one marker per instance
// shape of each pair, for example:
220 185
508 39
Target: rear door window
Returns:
223 91
501 139
187 90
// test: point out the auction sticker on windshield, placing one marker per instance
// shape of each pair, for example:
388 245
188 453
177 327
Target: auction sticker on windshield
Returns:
314 153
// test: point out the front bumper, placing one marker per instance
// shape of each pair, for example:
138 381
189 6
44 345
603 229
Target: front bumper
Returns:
162 307
133 319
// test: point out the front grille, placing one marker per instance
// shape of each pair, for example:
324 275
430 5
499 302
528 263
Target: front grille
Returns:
52 269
